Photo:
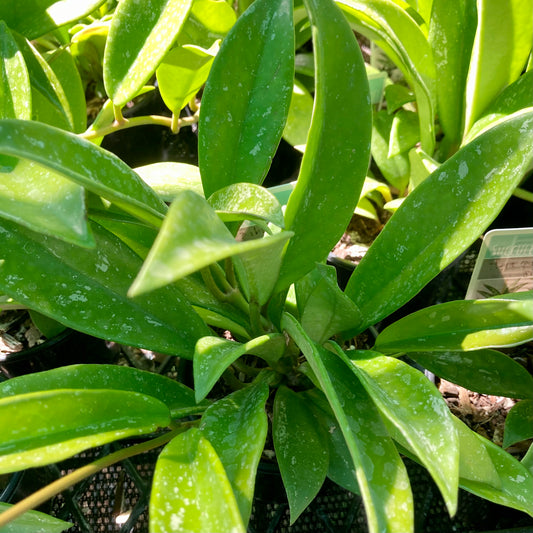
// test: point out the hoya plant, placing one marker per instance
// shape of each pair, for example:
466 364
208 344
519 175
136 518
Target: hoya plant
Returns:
203 263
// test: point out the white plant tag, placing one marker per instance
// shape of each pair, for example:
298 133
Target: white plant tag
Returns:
504 264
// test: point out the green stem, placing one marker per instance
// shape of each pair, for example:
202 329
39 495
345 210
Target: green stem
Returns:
523 194
65 482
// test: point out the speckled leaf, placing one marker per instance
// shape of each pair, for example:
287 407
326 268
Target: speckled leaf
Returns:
484 371
303 468
519 423
299 117
83 163
33 522
337 152
201 499
516 96
168 178
15 91
462 325
176 396
324 309
192 237
380 473
389 26
139 37
451 34
405 132
515 485
442 217
237 427
213 355
413 404
246 201
34 18
86 290
246 98
45 427
500 51
182 74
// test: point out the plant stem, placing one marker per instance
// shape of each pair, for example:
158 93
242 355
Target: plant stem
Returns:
523 194
62 484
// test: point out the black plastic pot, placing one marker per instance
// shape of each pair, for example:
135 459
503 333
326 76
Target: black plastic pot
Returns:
67 348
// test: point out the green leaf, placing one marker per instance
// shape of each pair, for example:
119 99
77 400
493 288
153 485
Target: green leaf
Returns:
176 396
417 409
139 38
182 74
519 423
33 522
83 163
303 468
451 34
46 427
337 152
324 309
462 325
68 76
516 96
405 132
380 473
246 98
202 500
442 217
390 27
86 289
422 166
396 170
213 355
15 90
246 201
299 117
44 201
217 17
500 51
397 96
484 371
192 237
167 179
34 18
236 426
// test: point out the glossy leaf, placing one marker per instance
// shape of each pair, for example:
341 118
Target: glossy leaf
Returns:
33 522
422 166
380 473
417 409
519 423
182 73
139 38
15 90
176 396
246 98
462 325
236 426
213 355
500 51
168 178
442 217
45 427
202 500
405 132
299 117
390 27
337 152
303 468
217 17
34 18
324 309
451 35
246 201
397 96
516 96
191 238
484 371
83 163
86 289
